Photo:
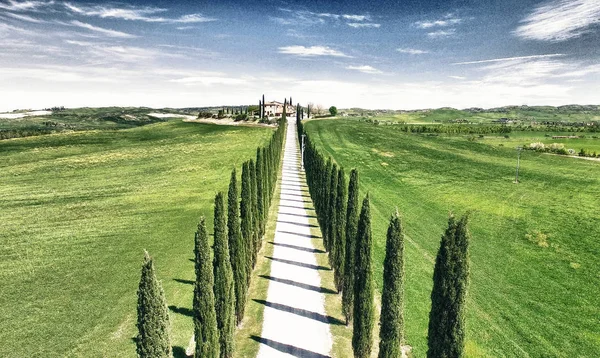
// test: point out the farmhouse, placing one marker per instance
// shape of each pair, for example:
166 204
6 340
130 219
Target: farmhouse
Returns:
275 109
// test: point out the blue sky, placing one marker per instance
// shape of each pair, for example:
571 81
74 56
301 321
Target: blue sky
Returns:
378 54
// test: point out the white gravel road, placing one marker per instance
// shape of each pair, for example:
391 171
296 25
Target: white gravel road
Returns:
295 323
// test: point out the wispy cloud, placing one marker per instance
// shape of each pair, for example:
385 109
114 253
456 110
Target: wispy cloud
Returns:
506 59
311 51
210 80
441 33
107 32
411 51
365 69
308 18
356 17
145 13
358 25
560 20
458 77
438 23
24 18
25 5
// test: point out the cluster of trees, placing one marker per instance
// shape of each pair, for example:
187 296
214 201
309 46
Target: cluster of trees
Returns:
221 286
347 237
23 132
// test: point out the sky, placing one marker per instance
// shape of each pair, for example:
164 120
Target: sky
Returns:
408 54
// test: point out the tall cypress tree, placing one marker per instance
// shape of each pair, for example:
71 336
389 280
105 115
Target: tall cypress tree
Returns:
205 318
450 282
153 339
223 289
340 231
237 249
326 184
391 332
247 224
260 191
331 216
256 234
351 227
362 335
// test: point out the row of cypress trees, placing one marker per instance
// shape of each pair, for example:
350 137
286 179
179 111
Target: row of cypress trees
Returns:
348 239
222 276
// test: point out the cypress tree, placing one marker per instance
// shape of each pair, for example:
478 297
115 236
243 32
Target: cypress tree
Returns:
267 179
260 191
223 289
237 249
247 225
362 335
351 227
256 234
450 282
331 216
325 184
153 339
340 232
263 107
391 332
205 318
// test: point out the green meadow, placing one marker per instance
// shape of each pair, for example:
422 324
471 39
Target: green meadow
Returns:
76 212
534 250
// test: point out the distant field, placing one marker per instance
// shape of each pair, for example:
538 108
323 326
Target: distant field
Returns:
534 275
77 210
589 143
447 115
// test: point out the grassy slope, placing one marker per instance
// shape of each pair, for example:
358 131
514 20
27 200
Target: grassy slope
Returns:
76 212
444 115
525 300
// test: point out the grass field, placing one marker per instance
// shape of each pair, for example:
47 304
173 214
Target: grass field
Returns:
590 143
526 114
534 251
77 210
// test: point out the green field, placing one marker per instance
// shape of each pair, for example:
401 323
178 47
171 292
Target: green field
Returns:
479 115
76 211
590 142
534 251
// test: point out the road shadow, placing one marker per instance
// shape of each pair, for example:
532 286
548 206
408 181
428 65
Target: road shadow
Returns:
300 248
300 285
298 224
301 312
294 200
294 207
182 310
179 352
300 264
289 349
187 282
308 236
298 215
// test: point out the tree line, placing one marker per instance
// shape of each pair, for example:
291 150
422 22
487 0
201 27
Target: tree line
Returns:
223 273
347 238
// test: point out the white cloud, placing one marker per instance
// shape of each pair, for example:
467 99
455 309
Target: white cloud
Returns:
211 80
559 20
311 51
356 17
135 14
365 69
107 32
504 59
357 25
24 18
438 23
25 5
411 51
458 77
441 33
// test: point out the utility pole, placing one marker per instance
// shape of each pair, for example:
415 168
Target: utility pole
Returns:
519 149
302 164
